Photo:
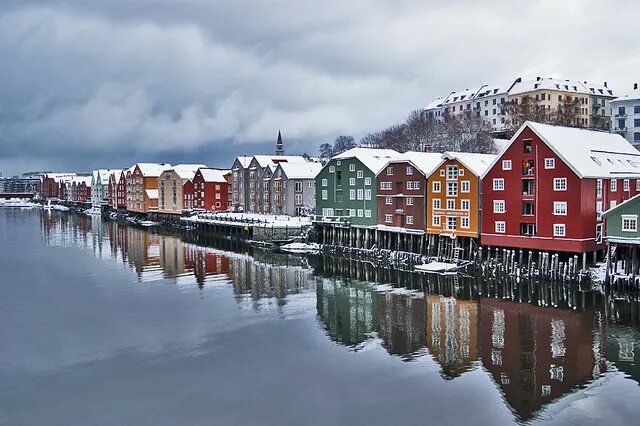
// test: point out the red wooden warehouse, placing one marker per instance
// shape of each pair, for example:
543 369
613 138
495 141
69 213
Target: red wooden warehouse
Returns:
548 187
211 190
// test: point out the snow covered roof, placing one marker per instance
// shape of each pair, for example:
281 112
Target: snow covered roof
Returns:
187 171
588 153
546 83
103 174
436 103
634 95
500 143
152 169
116 173
152 194
244 160
494 89
476 163
213 175
461 96
300 170
81 179
426 162
57 177
599 89
374 159
266 160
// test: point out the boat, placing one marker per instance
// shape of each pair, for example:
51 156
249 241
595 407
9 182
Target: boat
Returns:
442 267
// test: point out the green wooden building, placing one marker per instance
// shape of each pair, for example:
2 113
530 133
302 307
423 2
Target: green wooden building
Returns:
346 186
623 239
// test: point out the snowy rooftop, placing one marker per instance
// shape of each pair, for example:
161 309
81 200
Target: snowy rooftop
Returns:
152 194
213 175
546 83
244 160
634 95
599 89
625 203
373 159
187 171
462 96
477 163
266 160
588 153
426 162
436 103
494 89
81 179
300 170
152 169
500 143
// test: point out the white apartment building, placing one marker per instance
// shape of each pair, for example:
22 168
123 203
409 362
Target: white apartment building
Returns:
626 116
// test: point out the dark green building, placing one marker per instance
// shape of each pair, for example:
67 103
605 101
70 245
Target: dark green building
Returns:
622 222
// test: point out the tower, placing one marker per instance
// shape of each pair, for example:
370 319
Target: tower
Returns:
279 145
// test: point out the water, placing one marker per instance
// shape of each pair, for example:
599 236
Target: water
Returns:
103 324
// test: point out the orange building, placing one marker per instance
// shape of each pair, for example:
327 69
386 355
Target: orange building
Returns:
453 197
142 186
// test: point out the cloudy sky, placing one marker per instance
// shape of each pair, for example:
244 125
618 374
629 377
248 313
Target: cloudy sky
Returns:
98 83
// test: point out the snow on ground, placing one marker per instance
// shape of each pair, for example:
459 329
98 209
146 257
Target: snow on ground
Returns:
437 267
301 247
251 219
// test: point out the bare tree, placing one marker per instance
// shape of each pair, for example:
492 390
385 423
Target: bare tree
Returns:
343 143
326 151
465 133
568 112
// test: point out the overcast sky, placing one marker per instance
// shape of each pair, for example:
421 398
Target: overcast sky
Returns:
87 84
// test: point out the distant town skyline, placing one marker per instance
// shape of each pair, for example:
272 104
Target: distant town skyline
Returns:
94 84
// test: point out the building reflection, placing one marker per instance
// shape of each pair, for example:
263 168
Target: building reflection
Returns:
401 322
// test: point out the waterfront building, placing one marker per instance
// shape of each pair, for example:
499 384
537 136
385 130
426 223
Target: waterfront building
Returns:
292 188
622 222
51 184
79 189
454 192
211 189
170 187
240 183
142 186
547 189
100 187
402 190
117 192
188 195
261 168
626 120
346 186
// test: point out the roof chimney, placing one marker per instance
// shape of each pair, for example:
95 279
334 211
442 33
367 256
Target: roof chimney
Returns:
635 86
605 84
538 78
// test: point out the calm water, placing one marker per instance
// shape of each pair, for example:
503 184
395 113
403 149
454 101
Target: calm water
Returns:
102 324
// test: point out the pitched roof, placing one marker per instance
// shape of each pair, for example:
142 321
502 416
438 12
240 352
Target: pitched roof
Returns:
633 95
213 175
461 96
81 179
546 83
244 160
152 194
426 162
588 153
436 103
187 171
476 163
306 170
374 159
612 210
265 160
152 169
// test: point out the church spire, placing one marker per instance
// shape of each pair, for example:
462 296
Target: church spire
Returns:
279 145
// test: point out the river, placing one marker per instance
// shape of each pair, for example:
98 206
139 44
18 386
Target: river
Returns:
105 324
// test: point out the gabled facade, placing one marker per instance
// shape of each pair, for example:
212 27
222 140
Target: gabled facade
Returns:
116 193
622 222
188 196
292 188
260 169
626 116
142 186
100 187
51 185
454 192
170 187
346 186
547 189
402 190
211 189
240 183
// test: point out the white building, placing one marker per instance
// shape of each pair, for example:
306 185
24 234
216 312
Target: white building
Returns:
491 103
626 116
100 187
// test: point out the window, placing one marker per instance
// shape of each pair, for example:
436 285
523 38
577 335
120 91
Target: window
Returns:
637 184
360 194
451 204
506 164
436 203
332 169
360 174
559 184
409 201
630 222
298 199
360 212
352 181
436 186
621 124
389 171
452 189
385 185
409 170
352 167
416 184
409 220
410 184
559 230
465 186
528 146
367 194
614 185
636 109
498 184
324 194
367 213
297 187
625 185
388 218
636 136
461 172
560 208
352 194
442 172
435 220
367 181
498 206
464 222
465 205
388 200
612 204
549 163
451 223
452 172
527 208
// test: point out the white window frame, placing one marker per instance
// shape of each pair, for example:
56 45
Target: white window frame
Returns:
389 170
436 204
409 201
557 227
388 218
386 186
496 207
614 185
549 163
360 213
452 189
367 194
367 213
388 201
506 165
332 169
464 222
367 181
498 184
500 226
631 219
559 208
451 203
359 174
435 186
352 167
409 170
625 185
409 220
352 194
325 194
360 194
468 205
465 186
435 220
560 184
352 181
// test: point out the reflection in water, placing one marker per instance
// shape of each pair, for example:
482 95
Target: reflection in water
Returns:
537 341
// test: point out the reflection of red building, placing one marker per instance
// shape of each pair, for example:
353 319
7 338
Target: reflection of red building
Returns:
401 318
535 354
